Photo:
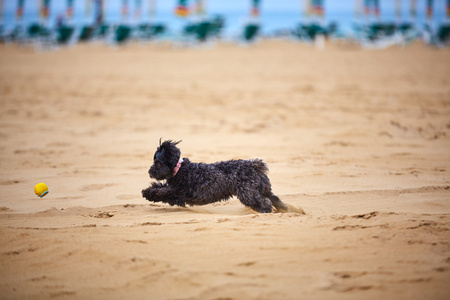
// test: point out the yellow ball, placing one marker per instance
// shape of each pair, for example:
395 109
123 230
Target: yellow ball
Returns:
41 189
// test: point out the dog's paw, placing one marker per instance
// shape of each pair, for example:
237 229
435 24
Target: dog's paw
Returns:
146 194
177 202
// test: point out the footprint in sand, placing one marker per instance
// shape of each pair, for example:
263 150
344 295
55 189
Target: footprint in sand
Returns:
9 182
246 264
97 187
202 229
39 278
366 216
348 275
136 241
126 196
62 294
151 224
103 215
193 221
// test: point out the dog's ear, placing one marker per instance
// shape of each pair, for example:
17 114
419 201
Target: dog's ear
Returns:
168 143
169 146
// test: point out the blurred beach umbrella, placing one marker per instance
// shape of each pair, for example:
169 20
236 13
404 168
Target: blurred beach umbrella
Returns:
19 10
398 10
87 8
314 8
69 9
137 10
306 8
413 9
124 10
151 9
376 8
372 7
448 9
200 7
317 7
429 9
252 28
182 9
359 8
367 4
99 11
1 11
255 9
45 9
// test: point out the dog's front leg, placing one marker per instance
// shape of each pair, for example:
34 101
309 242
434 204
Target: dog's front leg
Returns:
159 192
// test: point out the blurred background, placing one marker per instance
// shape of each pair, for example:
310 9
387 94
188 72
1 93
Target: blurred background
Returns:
174 19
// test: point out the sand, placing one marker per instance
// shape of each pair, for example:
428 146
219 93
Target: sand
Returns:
359 140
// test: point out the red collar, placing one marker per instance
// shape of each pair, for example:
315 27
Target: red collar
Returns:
175 171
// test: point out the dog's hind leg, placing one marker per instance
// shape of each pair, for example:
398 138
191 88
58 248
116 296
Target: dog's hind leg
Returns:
255 201
277 203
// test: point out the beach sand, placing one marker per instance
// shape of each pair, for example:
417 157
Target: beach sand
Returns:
359 140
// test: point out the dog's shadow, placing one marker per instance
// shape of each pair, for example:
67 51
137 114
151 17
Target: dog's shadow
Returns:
221 209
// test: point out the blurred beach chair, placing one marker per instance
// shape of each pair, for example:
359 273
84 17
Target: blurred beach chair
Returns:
149 31
204 30
86 33
379 31
101 31
189 33
158 29
218 23
409 32
38 31
381 35
189 29
64 34
309 32
443 35
122 34
143 31
40 36
439 37
332 29
251 31
404 28
313 33
17 34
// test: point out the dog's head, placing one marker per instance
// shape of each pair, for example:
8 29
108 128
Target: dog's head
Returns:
165 160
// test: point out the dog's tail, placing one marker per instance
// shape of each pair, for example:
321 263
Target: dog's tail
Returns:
260 165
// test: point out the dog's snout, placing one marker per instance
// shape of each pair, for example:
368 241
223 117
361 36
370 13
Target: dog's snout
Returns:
150 171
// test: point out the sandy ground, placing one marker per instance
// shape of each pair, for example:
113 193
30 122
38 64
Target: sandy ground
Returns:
360 140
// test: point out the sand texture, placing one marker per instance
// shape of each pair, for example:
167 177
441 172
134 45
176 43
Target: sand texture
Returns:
358 140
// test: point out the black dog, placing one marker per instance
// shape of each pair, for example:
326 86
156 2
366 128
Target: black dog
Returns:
199 183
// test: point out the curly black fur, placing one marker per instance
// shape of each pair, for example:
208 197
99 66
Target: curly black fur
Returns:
200 183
